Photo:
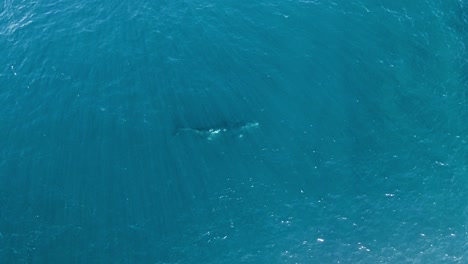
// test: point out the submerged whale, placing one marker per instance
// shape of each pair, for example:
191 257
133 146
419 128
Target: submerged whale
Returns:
238 129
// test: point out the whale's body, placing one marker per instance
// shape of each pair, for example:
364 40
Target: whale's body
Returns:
238 129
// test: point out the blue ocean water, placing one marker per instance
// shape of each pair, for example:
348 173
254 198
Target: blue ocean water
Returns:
194 131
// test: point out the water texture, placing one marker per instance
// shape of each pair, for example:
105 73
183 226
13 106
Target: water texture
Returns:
232 131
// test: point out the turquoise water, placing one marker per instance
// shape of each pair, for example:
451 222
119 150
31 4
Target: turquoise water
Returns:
193 131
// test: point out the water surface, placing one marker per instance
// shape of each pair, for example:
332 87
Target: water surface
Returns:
233 131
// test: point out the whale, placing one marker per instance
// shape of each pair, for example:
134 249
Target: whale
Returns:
210 133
